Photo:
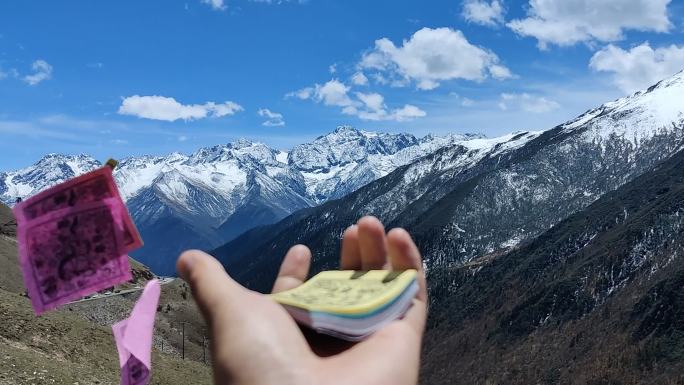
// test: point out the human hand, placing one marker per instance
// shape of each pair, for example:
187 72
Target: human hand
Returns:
255 341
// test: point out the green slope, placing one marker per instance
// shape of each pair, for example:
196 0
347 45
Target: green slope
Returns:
75 344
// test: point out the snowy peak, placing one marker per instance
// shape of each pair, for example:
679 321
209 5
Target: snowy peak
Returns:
211 154
241 150
327 168
344 160
50 170
66 164
638 117
242 143
661 103
677 80
453 138
346 145
135 174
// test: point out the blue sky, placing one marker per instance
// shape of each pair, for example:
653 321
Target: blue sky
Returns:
121 78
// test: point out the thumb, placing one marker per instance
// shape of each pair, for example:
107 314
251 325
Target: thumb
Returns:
214 291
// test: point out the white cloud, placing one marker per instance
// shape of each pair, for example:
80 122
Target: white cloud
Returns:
12 72
304 93
217 5
223 109
274 119
372 101
406 113
41 71
366 106
431 56
467 102
567 22
374 108
61 127
639 67
168 109
332 68
182 138
359 79
576 97
483 12
500 72
332 93
528 103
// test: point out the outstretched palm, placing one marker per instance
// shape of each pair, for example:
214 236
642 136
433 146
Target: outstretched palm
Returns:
255 341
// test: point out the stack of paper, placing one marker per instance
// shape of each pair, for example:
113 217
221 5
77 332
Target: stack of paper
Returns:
351 304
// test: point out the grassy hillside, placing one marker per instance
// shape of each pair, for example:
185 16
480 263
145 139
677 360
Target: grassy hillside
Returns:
64 348
8 225
75 344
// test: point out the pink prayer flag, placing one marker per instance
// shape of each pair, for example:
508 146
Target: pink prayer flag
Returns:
94 186
133 337
72 252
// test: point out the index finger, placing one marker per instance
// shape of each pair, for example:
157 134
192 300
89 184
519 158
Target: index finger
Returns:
404 254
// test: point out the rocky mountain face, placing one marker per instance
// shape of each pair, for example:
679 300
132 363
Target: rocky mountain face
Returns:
596 299
337 164
48 171
485 196
206 198
181 202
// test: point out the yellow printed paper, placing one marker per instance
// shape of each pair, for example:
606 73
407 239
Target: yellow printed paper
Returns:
347 292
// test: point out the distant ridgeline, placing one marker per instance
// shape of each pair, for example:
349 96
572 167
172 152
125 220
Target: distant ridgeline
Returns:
484 196
206 199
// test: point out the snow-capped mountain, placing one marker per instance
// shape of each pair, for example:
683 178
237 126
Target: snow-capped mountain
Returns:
607 278
206 198
48 171
225 172
484 196
605 282
338 163
187 198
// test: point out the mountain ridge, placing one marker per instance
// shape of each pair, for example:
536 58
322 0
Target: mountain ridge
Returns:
603 287
207 197
460 203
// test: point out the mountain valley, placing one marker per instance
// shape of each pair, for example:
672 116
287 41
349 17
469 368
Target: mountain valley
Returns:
485 196
552 256
207 198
